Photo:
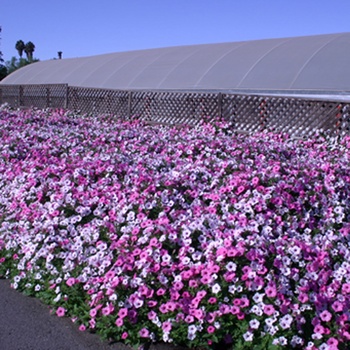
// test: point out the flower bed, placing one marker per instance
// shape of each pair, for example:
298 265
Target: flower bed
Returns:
191 235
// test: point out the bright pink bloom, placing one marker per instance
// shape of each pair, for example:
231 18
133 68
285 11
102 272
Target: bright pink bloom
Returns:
211 329
60 312
337 306
119 322
144 333
271 292
125 335
167 326
70 281
123 312
269 309
325 316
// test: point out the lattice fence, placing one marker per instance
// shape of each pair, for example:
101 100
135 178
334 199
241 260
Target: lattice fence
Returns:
41 96
88 100
248 113
10 94
280 114
173 108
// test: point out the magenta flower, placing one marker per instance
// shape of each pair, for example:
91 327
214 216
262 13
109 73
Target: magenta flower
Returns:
325 316
211 329
183 231
337 306
124 335
60 312
167 326
144 333
123 312
269 309
119 322
70 281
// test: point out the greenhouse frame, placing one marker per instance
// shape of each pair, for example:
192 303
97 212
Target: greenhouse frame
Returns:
286 84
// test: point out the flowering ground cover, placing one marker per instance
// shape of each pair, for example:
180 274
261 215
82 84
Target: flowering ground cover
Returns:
191 235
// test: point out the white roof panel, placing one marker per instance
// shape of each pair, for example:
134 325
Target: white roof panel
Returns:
318 62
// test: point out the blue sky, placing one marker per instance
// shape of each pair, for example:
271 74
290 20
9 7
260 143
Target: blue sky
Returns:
89 27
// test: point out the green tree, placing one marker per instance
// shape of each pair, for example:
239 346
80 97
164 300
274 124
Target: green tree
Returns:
1 59
29 49
16 63
3 69
20 46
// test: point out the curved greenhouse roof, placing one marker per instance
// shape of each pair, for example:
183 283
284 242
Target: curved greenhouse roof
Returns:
318 62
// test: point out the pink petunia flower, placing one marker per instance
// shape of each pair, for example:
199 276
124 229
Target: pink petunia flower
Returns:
60 312
337 306
125 335
269 309
166 326
325 316
119 322
144 333
211 329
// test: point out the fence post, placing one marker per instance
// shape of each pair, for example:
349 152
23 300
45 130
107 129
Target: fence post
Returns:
263 113
47 97
66 97
220 105
129 104
338 119
20 96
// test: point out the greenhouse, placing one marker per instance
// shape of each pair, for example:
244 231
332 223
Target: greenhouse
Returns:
294 85
310 63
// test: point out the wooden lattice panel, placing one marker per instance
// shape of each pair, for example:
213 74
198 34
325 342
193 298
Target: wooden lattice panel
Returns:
343 120
42 96
57 95
84 100
142 105
117 103
285 115
173 107
299 117
10 94
89 100
244 111
34 96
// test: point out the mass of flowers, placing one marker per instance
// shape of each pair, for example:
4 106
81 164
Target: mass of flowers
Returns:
191 235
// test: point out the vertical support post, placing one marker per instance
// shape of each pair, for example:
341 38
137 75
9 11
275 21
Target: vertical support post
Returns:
66 97
338 119
263 115
20 96
220 105
129 104
48 104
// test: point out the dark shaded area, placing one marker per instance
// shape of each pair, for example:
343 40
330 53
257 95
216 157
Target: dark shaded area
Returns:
26 324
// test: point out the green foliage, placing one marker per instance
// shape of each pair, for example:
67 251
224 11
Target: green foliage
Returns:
29 49
20 46
3 71
16 63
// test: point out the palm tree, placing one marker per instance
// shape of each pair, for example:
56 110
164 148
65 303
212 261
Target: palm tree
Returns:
29 49
20 47
1 59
